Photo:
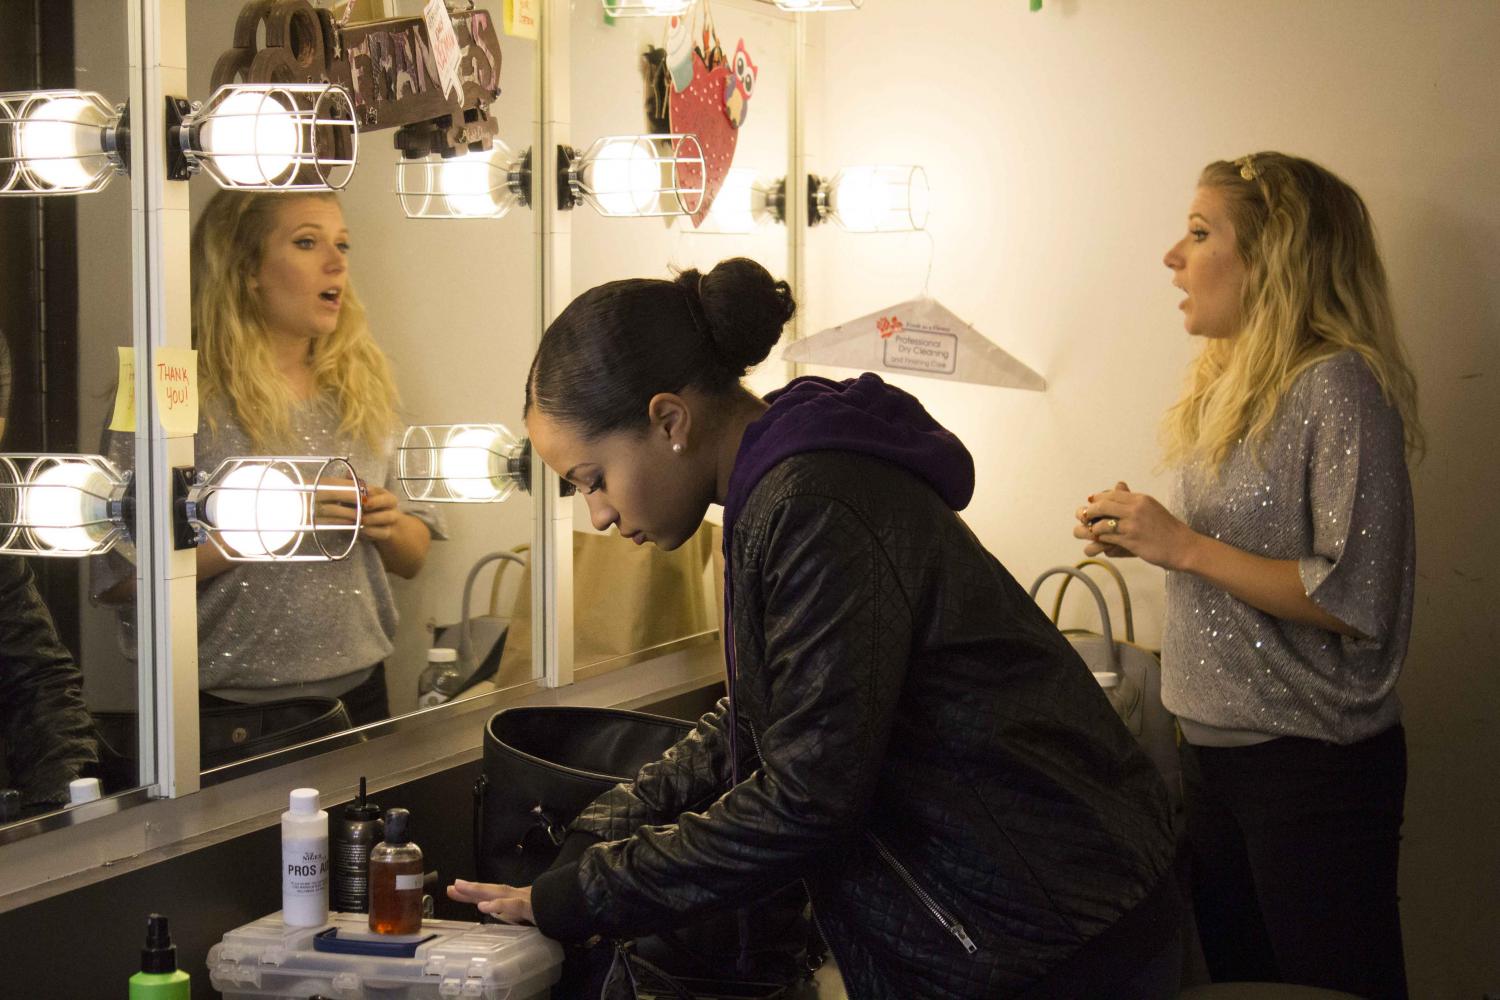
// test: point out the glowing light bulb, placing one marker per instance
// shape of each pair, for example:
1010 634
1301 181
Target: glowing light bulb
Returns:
733 209
253 138
67 507
880 199
919 199
469 183
625 178
61 142
258 510
472 465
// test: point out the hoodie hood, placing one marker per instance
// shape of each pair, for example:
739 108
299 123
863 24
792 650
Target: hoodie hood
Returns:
863 415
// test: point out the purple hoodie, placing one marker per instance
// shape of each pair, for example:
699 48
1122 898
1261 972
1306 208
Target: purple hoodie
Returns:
861 415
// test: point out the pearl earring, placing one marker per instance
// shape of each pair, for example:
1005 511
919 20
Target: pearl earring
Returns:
677 447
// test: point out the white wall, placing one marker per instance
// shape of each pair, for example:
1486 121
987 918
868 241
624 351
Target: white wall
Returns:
1063 147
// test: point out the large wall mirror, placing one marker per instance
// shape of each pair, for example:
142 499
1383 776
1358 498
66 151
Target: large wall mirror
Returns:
389 325
71 689
633 603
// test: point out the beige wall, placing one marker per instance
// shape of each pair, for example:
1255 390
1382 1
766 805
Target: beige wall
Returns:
1062 148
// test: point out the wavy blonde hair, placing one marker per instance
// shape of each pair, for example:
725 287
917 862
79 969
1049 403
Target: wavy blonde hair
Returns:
1314 286
235 363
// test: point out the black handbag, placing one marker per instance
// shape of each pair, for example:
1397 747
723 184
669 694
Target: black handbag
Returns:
542 766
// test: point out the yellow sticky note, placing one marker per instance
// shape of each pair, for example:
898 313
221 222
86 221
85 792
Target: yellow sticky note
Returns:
124 415
521 17
175 377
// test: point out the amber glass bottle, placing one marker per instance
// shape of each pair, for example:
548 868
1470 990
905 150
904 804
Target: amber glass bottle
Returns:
396 879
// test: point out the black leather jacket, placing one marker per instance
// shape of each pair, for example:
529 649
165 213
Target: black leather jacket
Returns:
917 743
46 730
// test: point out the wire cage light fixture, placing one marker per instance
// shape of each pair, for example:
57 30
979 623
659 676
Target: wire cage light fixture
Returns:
818 6
67 506
266 137
56 142
462 463
645 8
276 509
634 175
871 199
745 201
474 184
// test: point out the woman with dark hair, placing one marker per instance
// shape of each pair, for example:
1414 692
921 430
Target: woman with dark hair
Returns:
905 731
1291 571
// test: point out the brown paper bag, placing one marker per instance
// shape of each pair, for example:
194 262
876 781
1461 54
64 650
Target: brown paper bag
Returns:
626 598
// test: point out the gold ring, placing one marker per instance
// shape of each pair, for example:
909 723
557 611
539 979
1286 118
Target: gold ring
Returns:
1114 525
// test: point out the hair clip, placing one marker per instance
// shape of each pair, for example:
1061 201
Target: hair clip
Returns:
1247 168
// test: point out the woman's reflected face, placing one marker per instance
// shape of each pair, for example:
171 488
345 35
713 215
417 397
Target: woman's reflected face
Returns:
303 268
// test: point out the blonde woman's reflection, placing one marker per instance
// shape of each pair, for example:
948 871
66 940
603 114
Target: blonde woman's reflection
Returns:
287 366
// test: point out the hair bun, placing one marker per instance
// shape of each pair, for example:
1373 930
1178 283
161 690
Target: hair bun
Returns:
744 309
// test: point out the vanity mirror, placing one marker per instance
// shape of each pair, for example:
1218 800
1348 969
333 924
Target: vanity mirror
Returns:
332 323
71 691
452 262
642 75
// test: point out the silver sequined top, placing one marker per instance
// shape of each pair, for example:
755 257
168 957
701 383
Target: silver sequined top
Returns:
1334 494
264 626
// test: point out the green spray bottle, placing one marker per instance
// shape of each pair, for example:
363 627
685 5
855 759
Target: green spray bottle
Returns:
159 978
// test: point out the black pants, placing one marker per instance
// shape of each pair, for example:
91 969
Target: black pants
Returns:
1293 847
366 702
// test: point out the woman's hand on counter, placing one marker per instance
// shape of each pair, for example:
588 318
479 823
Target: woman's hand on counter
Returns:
503 902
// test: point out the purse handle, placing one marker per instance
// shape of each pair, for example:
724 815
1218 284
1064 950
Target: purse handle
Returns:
1070 573
520 551
1119 581
465 632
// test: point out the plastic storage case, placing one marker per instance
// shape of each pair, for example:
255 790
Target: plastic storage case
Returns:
448 958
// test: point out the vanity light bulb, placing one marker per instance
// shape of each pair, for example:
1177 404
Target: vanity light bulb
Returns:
259 511
733 209
472 464
467 182
880 199
625 178
645 8
60 142
253 138
66 507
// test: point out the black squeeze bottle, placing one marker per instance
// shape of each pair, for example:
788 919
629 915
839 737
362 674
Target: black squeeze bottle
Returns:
357 831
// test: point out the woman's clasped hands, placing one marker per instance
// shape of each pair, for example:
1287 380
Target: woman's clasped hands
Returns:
1119 523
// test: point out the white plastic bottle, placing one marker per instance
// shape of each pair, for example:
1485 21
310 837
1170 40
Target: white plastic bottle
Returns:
304 861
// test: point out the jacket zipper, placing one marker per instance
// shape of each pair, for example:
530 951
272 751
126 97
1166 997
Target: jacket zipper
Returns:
942 916
951 925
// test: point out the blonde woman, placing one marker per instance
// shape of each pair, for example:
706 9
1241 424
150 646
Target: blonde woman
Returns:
1290 555
287 366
